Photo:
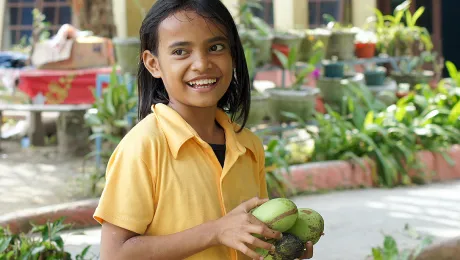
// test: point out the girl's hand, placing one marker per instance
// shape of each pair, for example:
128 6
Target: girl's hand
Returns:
236 228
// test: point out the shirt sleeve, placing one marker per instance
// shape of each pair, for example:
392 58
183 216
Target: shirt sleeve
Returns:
127 200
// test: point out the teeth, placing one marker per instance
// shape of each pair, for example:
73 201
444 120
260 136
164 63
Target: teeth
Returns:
202 82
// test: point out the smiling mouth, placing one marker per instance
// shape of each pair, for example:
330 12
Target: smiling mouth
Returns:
203 83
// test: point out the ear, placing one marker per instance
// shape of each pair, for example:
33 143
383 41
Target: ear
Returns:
151 63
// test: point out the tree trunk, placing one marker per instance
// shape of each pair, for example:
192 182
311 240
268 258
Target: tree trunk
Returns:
96 16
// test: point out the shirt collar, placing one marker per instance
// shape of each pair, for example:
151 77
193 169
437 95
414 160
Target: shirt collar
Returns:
178 131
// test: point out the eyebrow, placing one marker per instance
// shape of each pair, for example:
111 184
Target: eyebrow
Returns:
185 43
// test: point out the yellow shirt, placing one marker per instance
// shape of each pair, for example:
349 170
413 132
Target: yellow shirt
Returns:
163 178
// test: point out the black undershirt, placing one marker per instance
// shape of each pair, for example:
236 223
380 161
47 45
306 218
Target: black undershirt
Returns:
219 150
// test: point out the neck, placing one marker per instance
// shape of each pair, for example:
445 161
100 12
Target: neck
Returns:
203 120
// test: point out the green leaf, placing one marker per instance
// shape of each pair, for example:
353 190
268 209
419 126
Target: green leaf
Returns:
409 19
282 58
400 113
4 243
399 15
263 28
38 250
429 117
452 69
380 19
292 58
416 16
454 115
377 254
108 100
369 118
390 248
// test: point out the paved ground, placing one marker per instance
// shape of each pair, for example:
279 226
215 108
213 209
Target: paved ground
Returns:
355 219
37 177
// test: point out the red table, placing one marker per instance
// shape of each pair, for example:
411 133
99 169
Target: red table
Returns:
61 86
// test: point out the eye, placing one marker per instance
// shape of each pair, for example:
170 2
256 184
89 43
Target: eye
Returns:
217 47
180 52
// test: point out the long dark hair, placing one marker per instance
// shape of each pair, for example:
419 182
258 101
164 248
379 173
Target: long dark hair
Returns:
237 100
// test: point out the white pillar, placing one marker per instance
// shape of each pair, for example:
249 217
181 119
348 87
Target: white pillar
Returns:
120 18
362 9
290 14
2 20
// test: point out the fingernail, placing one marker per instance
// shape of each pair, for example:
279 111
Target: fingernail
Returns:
261 258
281 235
272 249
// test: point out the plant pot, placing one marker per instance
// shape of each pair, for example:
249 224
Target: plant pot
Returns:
309 39
333 69
259 108
332 90
300 102
292 40
386 92
127 54
375 77
263 45
341 44
413 78
365 50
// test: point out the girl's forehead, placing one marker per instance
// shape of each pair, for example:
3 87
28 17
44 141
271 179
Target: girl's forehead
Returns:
191 22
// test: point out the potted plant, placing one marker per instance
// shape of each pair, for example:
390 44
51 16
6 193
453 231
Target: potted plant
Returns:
333 68
312 39
396 37
259 99
342 40
298 99
127 49
284 41
331 83
365 44
411 70
255 32
375 76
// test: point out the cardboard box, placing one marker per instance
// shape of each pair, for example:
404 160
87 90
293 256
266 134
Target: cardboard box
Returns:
79 53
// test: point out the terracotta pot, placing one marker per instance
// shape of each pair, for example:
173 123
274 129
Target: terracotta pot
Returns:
365 50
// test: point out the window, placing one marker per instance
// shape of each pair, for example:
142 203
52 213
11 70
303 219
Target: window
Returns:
317 8
20 20
266 13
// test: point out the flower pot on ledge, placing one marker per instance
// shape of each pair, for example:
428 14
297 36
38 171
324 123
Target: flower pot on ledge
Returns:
365 50
300 102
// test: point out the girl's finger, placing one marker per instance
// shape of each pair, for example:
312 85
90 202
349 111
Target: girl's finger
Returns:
257 243
309 251
247 251
262 230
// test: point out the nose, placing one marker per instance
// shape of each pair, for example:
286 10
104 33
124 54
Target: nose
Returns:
201 63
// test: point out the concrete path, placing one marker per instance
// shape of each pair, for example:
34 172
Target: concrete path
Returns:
37 177
355 219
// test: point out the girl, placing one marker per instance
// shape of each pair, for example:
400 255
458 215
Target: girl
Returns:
182 182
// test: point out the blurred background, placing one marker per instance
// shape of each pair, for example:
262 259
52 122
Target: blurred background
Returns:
357 103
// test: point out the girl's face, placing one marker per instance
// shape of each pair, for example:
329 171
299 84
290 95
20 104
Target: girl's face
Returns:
194 60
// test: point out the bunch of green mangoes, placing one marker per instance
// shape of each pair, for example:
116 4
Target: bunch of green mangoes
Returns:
298 226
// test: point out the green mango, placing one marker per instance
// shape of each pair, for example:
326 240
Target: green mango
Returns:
279 214
289 247
309 226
